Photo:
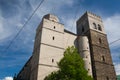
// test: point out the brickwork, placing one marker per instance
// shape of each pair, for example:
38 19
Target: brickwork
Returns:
102 62
91 26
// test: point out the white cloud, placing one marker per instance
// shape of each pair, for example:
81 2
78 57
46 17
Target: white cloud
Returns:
112 26
117 68
9 26
52 3
3 31
50 6
8 78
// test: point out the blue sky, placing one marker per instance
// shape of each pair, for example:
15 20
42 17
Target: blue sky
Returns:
14 13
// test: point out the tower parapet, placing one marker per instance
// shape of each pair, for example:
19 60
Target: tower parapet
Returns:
94 15
51 17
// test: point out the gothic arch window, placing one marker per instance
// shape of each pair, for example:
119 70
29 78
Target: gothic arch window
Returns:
94 26
99 27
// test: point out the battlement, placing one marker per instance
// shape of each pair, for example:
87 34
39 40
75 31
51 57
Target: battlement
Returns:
87 15
92 14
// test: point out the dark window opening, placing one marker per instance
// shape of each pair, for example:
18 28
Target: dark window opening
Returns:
94 25
103 58
88 69
53 37
87 47
54 27
99 27
83 29
100 40
52 60
107 78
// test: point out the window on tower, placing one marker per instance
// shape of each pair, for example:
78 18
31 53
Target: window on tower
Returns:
103 58
99 27
52 60
88 69
107 78
94 26
53 37
83 29
100 40
54 27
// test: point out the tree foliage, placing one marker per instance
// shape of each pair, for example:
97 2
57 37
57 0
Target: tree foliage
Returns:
71 67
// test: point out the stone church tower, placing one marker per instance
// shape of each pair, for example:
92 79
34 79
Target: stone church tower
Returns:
91 25
52 39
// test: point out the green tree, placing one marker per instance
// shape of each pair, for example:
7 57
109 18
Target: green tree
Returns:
71 67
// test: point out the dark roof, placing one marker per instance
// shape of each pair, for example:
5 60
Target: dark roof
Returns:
69 32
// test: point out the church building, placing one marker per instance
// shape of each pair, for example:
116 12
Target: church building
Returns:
52 39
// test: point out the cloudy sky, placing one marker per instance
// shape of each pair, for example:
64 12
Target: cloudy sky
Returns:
14 13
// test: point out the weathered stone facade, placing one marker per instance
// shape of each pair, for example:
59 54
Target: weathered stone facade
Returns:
52 39
102 65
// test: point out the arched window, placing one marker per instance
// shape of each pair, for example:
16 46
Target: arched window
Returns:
99 27
94 26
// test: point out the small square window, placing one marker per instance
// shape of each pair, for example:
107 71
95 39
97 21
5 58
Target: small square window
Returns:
87 47
54 27
52 60
88 69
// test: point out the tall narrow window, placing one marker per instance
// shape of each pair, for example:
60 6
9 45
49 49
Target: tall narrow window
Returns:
100 40
54 27
53 37
52 60
83 29
99 27
107 78
94 26
103 58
